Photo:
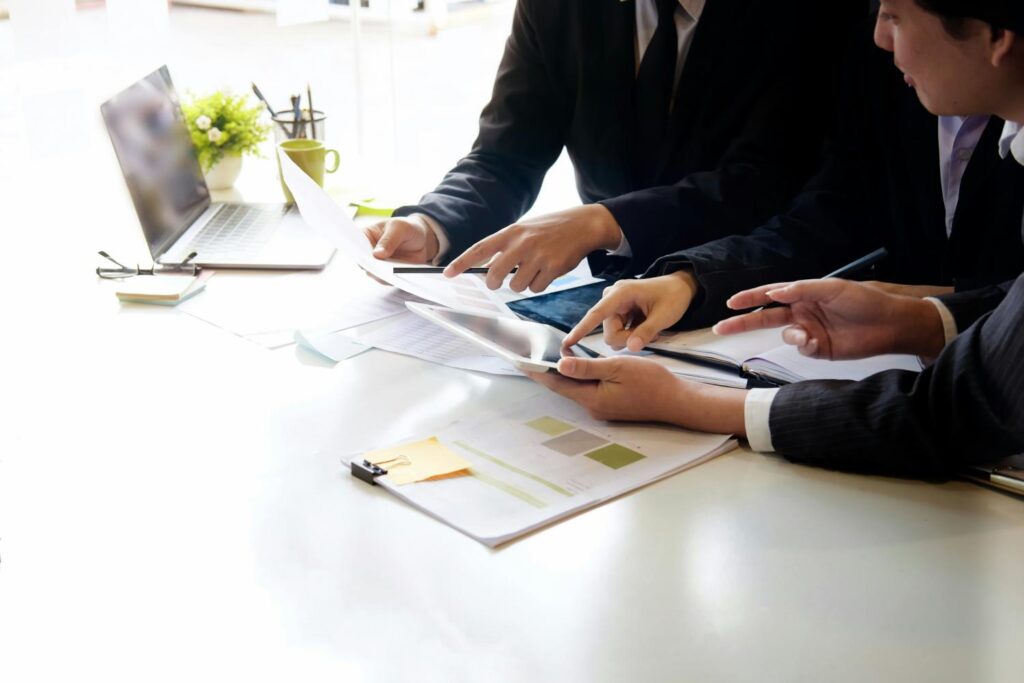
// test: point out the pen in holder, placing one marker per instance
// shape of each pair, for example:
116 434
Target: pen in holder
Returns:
310 126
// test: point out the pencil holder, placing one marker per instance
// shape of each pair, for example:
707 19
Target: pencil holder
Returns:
286 127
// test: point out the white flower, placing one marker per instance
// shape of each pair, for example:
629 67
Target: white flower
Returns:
215 135
203 122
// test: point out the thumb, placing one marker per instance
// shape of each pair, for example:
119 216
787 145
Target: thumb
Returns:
642 335
386 245
586 368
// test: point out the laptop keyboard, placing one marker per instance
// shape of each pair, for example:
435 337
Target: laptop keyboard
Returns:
237 231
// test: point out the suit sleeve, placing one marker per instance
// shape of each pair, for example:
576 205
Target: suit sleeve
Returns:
967 408
767 163
522 132
966 307
822 229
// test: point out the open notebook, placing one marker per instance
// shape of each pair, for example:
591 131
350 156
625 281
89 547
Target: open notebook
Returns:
762 355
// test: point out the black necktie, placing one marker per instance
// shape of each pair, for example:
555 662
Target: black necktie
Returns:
654 84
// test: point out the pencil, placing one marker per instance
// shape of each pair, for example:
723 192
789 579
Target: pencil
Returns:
312 113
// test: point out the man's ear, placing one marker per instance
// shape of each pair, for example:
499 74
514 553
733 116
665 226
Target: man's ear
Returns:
1004 44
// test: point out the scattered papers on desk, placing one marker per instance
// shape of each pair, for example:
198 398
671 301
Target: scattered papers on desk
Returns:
268 309
411 335
165 290
545 459
330 345
466 292
427 460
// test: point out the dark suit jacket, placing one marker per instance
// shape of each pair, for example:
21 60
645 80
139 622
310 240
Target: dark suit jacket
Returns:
879 186
754 97
966 409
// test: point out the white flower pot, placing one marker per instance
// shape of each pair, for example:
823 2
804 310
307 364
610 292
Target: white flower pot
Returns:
225 172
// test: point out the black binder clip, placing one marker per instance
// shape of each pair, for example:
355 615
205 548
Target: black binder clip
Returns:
367 471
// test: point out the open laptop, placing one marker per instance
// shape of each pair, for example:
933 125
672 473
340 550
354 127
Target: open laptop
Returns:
161 168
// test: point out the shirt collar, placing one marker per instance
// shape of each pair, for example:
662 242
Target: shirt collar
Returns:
1012 141
694 7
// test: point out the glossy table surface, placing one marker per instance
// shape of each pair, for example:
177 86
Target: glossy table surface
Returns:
173 507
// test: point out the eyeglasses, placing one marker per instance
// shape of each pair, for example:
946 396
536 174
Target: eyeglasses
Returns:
122 271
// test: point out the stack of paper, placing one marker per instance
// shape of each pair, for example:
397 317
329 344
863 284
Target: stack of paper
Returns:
544 460
166 290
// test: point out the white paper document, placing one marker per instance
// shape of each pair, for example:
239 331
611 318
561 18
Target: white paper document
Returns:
466 292
268 309
330 345
411 335
545 459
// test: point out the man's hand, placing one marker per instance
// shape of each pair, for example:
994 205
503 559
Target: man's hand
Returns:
407 239
918 291
639 390
543 248
634 312
839 320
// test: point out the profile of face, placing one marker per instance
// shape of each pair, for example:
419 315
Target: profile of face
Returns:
952 75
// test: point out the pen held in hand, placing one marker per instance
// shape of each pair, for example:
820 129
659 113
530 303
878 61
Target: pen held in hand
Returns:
846 271
432 270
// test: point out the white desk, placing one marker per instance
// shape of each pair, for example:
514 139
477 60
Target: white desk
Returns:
158 526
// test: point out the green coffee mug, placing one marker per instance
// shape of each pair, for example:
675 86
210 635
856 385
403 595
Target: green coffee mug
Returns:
311 157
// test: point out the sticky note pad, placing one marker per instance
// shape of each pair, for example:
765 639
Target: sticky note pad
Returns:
418 461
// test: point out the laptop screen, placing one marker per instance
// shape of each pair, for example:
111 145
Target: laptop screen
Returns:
157 158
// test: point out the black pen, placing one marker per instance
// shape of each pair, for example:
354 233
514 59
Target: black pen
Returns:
433 270
312 118
297 114
861 264
266 103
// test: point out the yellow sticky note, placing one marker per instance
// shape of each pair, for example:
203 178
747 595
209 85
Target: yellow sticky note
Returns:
418 461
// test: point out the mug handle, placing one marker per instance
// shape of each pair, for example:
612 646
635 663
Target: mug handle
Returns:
337 160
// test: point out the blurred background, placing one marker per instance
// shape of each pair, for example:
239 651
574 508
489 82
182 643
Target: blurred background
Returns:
402 83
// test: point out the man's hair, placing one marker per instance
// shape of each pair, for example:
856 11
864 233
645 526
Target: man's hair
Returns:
954 22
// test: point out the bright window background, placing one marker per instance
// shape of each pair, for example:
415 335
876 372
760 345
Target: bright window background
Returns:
402 101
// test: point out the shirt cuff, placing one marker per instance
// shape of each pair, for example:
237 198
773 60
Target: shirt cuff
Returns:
948 321
443 243
757 409
623 249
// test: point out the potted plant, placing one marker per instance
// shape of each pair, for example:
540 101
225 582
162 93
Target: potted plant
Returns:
223 128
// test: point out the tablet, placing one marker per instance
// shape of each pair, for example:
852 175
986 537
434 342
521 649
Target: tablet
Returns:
530 346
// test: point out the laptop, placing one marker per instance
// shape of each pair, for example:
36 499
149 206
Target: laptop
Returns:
1007 474
161 168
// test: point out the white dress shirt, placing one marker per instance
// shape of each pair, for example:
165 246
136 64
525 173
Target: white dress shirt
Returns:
687 16
958 138
758 404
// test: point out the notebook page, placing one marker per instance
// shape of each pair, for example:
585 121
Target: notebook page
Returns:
706 345
787 364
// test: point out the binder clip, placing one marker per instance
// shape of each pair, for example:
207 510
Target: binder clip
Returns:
366 471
